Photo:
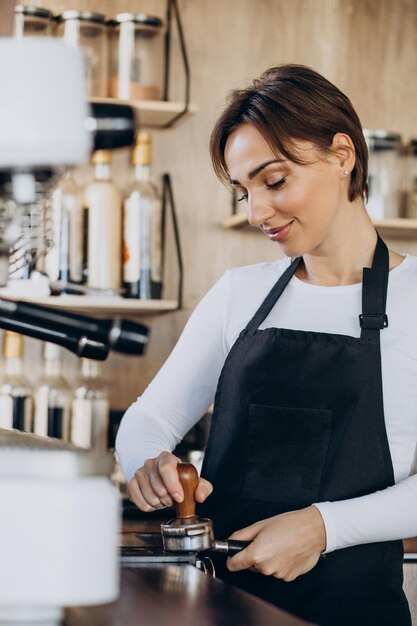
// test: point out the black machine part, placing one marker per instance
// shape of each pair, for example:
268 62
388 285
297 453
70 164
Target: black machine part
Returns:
113 125
85 336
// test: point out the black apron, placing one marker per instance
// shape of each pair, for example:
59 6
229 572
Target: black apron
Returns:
298 418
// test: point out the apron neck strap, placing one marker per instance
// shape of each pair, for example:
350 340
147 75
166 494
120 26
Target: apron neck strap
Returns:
273 296
374 295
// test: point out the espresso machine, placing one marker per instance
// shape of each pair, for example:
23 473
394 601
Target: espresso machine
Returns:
59 511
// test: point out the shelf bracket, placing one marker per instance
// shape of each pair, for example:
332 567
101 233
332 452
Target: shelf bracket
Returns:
168 199
172 8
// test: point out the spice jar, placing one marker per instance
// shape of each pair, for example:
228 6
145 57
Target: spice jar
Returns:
136 54
88 31
411 179
32 21
384 173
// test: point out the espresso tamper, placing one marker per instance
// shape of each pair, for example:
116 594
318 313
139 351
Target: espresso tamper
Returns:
188 532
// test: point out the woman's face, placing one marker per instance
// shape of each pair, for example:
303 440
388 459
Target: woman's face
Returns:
298 206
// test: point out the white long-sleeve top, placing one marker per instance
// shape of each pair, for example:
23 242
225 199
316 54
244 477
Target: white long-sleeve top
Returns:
184 388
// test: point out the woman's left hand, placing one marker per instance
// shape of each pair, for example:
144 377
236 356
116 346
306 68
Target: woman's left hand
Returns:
284 546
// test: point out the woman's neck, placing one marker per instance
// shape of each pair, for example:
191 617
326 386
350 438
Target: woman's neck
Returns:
348 248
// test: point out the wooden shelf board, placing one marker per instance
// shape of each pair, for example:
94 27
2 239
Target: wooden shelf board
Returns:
152 113
103 304
395 226
236 222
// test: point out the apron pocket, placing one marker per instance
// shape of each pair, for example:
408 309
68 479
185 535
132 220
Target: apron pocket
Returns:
287 448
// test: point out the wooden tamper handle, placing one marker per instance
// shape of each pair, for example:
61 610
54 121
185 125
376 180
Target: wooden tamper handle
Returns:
188 476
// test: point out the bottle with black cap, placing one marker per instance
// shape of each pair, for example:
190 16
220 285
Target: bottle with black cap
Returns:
16 398
87 30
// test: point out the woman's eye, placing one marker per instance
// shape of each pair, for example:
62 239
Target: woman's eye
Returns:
244 197
276 185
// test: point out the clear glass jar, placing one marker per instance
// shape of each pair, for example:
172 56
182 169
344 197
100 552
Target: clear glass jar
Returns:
384 173
136 57
411 179
88 31
32 21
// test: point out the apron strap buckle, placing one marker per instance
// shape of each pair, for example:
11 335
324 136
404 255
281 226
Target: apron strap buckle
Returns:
371 321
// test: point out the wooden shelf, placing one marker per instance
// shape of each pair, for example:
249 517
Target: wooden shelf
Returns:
109 305
400 227
393 227
237 222
152 113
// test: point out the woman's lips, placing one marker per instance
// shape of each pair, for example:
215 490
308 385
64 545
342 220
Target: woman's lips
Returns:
278 234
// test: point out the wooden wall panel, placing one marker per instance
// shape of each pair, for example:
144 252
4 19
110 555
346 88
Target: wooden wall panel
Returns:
367 47
6 17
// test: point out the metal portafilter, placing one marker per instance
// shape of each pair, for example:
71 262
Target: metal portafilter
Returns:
188 532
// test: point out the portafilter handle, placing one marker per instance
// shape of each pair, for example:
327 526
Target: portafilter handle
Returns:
229 546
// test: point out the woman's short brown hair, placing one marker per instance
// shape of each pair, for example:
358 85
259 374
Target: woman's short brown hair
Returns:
293 102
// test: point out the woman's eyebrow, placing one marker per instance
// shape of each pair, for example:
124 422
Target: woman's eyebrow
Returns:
258 169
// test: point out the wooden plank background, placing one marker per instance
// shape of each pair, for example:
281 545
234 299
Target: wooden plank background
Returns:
367 47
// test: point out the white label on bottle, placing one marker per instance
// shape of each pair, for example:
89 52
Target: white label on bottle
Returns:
40 424
82 413
100 423
104 235
76 244
52 257
131 245
6 412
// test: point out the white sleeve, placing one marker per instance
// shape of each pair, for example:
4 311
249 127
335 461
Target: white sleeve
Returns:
381 516
183 389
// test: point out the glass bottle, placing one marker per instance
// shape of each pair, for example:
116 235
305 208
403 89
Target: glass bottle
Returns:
16 401
104 227
52 397
142 247
90 408
64 261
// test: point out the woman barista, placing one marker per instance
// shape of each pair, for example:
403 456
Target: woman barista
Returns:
312 361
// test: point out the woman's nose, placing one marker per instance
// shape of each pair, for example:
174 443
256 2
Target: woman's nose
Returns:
258 210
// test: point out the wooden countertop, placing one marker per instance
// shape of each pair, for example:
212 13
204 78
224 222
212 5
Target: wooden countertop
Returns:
157 594
161 594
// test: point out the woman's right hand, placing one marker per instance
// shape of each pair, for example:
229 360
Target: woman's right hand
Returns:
156 484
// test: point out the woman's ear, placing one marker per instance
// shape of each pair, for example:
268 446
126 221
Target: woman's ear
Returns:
344 152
